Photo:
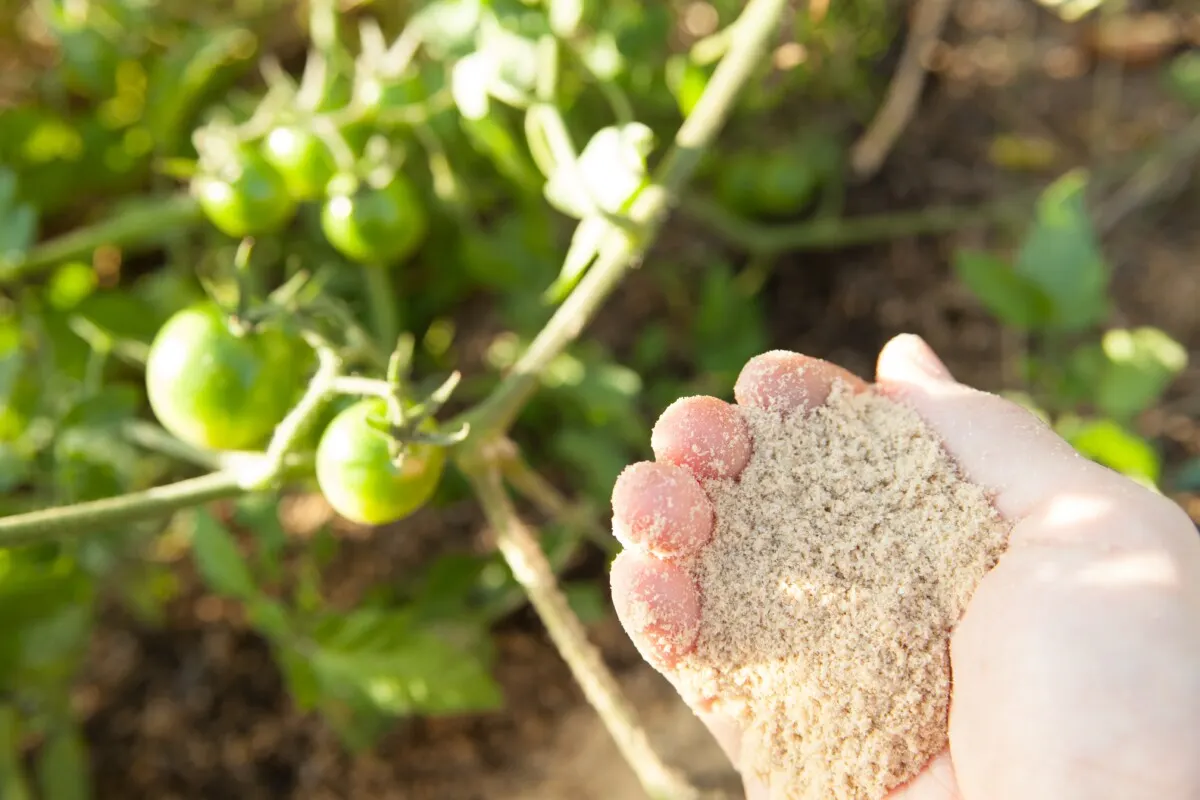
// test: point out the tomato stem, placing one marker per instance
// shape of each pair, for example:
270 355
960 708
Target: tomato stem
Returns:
829 233
297 422
381 300
149 222
86 518
620 251
518 544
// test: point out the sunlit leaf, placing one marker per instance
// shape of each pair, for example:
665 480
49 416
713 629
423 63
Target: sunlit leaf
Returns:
1114 446
1140 364
383 658
1061 256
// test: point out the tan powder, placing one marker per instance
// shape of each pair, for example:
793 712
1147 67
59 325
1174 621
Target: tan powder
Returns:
841 560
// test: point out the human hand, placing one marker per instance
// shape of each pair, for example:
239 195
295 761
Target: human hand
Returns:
1076 665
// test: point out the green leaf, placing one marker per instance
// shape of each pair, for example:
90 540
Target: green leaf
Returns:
12 779
193 72
1107 442
729 327
1009 296
587 601
259 513
610 171
597 457
448 27
469 81
585 246
63 764
1182 77
1140 364
218 559
18 220
380 659
687 81
45 614
1061 255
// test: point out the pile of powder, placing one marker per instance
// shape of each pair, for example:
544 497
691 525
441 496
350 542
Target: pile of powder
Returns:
841 560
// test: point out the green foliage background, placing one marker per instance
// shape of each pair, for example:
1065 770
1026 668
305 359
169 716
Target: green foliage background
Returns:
100 243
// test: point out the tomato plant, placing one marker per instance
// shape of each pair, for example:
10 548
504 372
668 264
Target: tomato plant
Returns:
245 195
374 225
214 388
357 475
301 158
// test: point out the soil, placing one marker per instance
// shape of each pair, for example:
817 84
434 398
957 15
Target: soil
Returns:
196 709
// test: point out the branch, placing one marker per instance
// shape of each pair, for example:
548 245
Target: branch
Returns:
872 148
518 544
546 497
620 251
83 518
147 222
827 234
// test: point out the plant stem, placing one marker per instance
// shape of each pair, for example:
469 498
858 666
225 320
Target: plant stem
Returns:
754 29
40 526
519 546
148 222
152 437
825 234
381 299
546 497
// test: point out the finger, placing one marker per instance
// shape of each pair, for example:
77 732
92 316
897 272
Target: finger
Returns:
783 381
658 604
703 434
662 509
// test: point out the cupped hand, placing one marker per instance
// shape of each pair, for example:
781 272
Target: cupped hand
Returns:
1076 666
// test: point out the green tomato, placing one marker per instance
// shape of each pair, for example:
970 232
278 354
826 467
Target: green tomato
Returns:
301 158
375 226
245 197
356 474
214 389
786 184
737 182
777 183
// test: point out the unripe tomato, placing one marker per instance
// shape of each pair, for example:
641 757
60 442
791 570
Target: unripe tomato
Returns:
245 197
787 183
301 158
374 225
356 474
779 183
214 389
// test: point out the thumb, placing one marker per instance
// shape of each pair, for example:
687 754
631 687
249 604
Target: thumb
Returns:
1077 663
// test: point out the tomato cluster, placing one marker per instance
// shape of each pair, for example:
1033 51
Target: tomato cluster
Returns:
219 388
256 191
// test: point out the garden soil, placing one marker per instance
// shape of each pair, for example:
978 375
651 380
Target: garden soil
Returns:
195 709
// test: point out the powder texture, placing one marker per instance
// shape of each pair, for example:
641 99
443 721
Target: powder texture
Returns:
841 559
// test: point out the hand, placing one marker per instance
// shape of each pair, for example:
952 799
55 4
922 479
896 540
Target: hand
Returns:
1076 666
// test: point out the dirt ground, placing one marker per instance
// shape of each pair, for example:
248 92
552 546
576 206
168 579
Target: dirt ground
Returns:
197 710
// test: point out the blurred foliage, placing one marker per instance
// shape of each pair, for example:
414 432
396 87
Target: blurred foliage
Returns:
511 134
1091 383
